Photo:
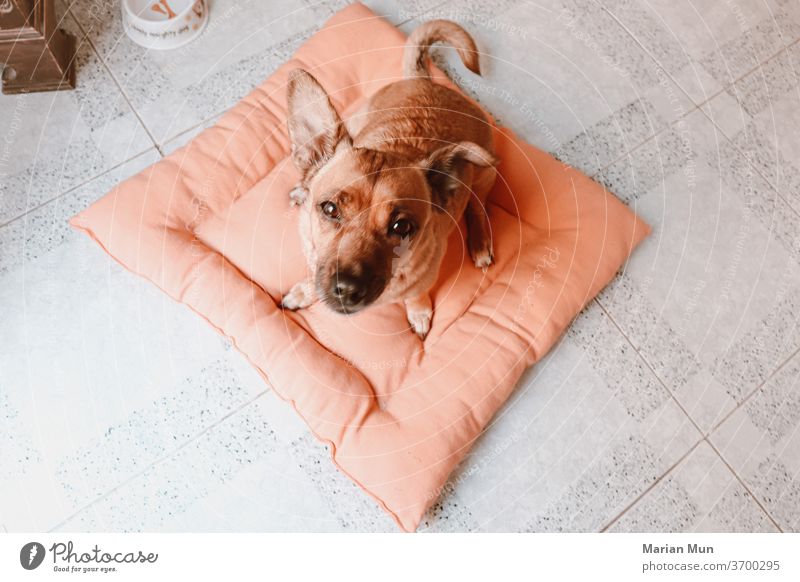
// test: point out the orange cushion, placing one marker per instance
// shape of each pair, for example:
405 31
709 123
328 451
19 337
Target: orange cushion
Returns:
211 225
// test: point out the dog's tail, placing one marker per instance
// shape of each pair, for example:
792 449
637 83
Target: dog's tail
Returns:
415 57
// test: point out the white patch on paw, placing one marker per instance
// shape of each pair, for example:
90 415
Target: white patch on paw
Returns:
483 259
298 297
420 321
298 195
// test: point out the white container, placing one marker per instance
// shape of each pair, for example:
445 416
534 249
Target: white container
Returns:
163 24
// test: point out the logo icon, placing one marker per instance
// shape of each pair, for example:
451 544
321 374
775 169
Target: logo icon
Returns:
31 555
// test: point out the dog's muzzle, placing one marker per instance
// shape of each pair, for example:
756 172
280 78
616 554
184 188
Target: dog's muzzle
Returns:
348 293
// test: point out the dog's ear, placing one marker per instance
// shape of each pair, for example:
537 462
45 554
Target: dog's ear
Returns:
314 126
444 167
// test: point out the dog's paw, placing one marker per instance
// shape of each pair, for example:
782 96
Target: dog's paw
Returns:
298 195
483 258
300 296
420 321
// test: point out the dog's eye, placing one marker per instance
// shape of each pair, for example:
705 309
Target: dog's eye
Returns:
402 227
330 210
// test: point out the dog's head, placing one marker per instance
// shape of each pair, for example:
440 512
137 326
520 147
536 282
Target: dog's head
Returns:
370 209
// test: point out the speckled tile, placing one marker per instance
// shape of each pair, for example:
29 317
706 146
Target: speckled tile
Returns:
271 494
38 232
611 138
721 258
668 509
750 53
574 445
647 166
770 81
769 141
779 488
151 432
765 203
664 348
726 114
448 514
636 388
168 488
574 99
755 356
85 345
661 345
602 490
761 441
704 46
264 492
723 39
761 147
52 142
160 85
699 495
607 24
183 138
19 448
175 90
353 508
399 12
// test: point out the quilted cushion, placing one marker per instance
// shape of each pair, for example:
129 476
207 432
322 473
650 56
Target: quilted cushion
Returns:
211 225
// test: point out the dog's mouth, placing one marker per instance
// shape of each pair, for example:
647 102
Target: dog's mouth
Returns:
340 307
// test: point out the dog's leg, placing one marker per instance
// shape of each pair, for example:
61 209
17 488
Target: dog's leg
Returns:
479 238
419 311
301 295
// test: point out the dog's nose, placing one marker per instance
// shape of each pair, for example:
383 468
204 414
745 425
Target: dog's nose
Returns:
347 289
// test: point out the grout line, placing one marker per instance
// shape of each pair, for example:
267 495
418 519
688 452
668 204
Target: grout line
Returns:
688 416
692 61
757 389
671 395
647 52
189 129
72 189
114 78
750 162
743 484
160 459
732 84
700 105
652 486
160 145
626 154
649 367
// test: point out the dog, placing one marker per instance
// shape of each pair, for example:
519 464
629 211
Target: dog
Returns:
380 195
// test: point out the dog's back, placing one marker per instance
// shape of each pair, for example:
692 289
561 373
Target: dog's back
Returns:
416 116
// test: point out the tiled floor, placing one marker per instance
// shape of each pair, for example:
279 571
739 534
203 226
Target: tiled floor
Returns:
672 404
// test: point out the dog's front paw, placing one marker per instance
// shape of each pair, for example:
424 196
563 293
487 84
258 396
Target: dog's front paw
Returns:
300 296
298 195
419 312
420 322
483 258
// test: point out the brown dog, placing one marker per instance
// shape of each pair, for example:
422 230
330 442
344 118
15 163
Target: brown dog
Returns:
380 196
